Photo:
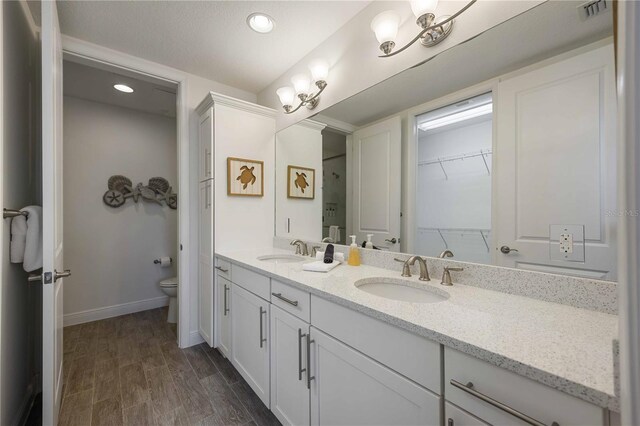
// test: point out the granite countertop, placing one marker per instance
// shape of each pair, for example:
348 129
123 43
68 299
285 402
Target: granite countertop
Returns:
566 348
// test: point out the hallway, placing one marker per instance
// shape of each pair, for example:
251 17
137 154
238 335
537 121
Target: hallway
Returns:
129 370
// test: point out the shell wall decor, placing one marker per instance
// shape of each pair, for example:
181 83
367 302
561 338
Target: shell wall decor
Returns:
121 188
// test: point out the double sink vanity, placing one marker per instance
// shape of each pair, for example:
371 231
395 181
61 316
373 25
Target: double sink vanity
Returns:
363 345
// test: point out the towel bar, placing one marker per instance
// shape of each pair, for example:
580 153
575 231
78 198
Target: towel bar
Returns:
13 213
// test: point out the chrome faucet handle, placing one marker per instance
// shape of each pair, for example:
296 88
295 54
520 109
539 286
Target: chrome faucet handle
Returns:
406 269
314 250
446 253
446 275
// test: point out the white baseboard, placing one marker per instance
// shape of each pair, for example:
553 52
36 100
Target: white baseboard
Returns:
114 311
195 338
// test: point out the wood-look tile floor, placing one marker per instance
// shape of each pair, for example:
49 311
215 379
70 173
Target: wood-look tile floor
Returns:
129 371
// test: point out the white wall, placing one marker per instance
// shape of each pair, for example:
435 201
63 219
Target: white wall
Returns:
352 51
111 251
299 145
243 222
19 309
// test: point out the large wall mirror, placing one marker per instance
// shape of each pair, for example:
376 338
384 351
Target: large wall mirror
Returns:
500 150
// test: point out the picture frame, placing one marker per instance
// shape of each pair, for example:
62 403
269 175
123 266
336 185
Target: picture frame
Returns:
245 177
301 182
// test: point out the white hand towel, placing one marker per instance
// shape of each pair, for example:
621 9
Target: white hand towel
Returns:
33 245
320 266
18 238
336 256
334 233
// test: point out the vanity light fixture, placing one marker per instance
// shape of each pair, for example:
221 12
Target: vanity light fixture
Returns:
260 23
123 88
433 31
302 87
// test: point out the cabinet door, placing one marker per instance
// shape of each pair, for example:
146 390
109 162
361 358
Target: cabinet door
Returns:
349 388
205 138
289 393
223 315
250 337
205 262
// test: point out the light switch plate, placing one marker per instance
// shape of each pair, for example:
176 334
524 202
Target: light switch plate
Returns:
566 243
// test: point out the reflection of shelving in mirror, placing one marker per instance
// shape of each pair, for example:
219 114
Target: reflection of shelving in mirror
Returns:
483 154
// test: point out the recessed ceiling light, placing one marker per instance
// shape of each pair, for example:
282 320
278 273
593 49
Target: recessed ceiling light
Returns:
260 23
123 88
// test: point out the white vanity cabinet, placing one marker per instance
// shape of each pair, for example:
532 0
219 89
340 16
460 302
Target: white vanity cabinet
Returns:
206 145
205 262
289 384
472 385
349 388
223 317
250 339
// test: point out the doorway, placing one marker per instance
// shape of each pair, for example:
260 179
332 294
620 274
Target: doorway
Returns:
454 180
334 186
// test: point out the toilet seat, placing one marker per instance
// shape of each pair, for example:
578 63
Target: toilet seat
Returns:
169 282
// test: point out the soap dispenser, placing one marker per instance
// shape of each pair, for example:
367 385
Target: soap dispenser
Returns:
369 244
354 254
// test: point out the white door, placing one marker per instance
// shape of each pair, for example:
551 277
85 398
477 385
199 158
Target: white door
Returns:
52 254
250 339
349 388
289 393
556 165
205 262
223 315
376 184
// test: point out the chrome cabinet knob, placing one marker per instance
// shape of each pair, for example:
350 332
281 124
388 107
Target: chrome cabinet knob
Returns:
507 249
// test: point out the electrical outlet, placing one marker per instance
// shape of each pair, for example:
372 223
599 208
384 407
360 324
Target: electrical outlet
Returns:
566 243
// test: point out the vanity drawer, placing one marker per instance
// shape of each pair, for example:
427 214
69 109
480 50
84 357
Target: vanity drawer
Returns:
409 354
295 301
223 268
533 399
251 281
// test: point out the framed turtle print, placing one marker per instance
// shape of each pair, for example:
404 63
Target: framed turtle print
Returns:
301 182
245 177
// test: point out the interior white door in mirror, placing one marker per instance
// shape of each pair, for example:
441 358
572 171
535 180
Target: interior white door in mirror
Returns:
376 183
52 255
555 165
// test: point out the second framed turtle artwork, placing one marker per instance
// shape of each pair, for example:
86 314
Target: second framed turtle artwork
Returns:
245 177
301 182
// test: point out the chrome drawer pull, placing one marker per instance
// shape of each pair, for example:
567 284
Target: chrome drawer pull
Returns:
468 388
284 299
221 269
262 338
226 304
309 376
301 370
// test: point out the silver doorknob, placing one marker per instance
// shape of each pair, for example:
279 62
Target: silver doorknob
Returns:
63 274
507 249
392 240
34 277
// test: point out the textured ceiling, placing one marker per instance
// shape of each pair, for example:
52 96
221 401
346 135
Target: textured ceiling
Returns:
210 39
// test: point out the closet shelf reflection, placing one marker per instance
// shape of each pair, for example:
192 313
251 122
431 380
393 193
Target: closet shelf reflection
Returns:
484 233
440 160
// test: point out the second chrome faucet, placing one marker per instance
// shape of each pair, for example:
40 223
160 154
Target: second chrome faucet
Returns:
406 268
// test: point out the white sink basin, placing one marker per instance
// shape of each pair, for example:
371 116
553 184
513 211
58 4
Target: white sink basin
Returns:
281 258
402 290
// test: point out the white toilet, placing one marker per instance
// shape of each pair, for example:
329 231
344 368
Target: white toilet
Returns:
170 288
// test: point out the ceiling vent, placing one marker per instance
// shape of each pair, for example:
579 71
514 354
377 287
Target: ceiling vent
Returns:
592 8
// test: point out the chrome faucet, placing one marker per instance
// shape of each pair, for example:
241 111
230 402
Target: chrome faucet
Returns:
301 247
406 268
446 275
446 253
328 240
